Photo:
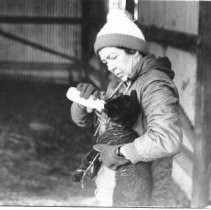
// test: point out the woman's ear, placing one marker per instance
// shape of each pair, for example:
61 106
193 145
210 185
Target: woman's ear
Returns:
133 94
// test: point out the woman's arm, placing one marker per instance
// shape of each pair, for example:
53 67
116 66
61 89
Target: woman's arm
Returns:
80 116
163 136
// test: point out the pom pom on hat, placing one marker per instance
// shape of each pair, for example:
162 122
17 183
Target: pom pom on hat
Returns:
120 31
118 14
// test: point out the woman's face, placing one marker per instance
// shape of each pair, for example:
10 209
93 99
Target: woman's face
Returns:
118 61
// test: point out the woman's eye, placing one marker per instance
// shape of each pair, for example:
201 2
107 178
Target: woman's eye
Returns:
113 57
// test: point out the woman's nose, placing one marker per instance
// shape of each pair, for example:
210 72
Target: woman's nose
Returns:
111 67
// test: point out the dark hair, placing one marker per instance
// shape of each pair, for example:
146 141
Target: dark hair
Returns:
131 51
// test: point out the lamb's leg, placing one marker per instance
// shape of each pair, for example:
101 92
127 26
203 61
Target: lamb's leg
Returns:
133 186
88 158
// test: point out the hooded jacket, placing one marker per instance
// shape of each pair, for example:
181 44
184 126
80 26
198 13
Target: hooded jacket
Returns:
158 126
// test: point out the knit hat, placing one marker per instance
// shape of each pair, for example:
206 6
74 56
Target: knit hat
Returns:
120 31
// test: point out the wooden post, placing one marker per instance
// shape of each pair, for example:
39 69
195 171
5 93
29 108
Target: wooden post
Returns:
84 36
93 18
202 147
130 5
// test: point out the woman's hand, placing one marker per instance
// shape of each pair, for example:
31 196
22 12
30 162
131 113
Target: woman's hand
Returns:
110 157
87 90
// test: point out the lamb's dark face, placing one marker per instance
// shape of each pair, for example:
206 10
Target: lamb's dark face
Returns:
123 109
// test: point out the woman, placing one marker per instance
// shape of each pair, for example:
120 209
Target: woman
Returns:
121 45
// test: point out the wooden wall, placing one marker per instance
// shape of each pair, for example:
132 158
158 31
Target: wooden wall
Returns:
41 31
62 37
177 18
173 15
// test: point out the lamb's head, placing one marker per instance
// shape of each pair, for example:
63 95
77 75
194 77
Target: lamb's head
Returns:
124 109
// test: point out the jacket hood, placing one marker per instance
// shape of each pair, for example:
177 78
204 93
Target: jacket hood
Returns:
150 62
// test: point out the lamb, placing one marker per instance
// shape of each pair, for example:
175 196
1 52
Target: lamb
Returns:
133 182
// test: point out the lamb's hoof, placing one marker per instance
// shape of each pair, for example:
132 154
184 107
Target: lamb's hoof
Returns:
77 176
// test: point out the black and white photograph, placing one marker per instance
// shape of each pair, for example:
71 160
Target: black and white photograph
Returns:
105 103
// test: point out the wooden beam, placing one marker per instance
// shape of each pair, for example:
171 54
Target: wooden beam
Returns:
130 5
39 20
35 65
187 126
180 40
202 147
89 22
93 17
187 152
57 73
36 45
182 172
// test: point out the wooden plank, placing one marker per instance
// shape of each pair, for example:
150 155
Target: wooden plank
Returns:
39 20
37 46
89 22
180 40
144 12
50 8
171 15
34 65
188 127
56 73
130 5
192 17
182 173
201 171
157 13
85 36
93 17
175 15
184 64
182 16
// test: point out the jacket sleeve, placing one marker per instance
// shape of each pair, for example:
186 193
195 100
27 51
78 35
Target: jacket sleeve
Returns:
163 135
80 116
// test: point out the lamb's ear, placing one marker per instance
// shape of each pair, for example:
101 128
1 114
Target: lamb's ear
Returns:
133 94
106 108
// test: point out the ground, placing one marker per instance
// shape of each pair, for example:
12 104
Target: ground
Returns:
40 147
